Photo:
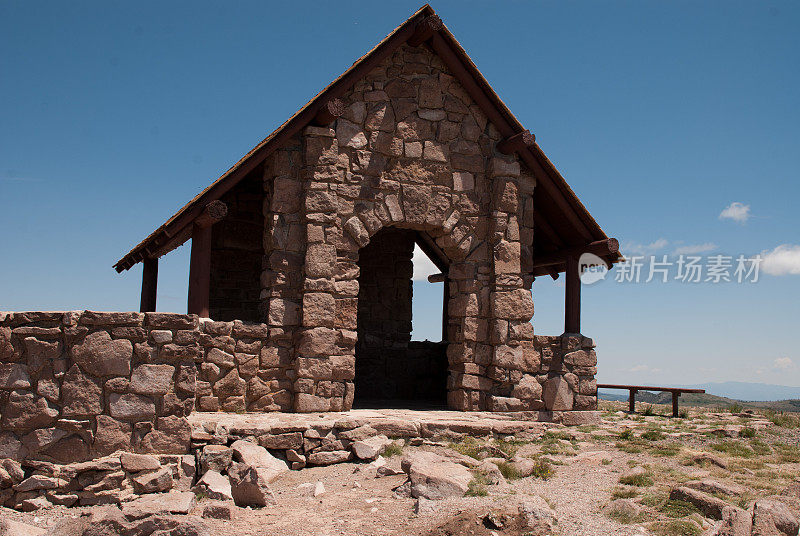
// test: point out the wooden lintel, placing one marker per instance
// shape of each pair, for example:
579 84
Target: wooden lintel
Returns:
516 143
601 248
425 30
330 112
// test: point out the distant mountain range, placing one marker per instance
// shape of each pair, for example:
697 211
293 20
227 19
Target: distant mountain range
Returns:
754 392
724 394
751 391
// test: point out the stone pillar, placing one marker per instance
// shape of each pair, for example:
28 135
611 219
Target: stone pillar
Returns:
324 368
514 358
281 277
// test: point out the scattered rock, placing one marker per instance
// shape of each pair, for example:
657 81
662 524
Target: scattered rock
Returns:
152 481
624 508
312 489
250 485
792 490
215 486
215 458
425 507
713 486
175 502
705 457
770 510
709 505
257 456
329 457
537 514
385 470
10 527
632 474
370 448
434 477
219 510
735 522
491 472
37 503
133 463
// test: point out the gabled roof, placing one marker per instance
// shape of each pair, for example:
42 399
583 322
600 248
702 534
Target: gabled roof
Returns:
561 220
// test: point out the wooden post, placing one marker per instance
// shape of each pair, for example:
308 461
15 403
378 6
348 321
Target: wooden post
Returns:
572 297
149 285
632 401
445 308
200 260
675 395
200 271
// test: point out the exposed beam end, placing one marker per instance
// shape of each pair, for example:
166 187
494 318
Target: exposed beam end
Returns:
425 30
516 143
215 211
437 278
330 112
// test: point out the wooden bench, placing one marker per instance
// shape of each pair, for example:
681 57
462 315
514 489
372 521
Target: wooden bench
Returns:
633 389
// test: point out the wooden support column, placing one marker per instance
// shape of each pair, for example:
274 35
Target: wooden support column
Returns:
149 285
200 271
445 308
200 261
572 297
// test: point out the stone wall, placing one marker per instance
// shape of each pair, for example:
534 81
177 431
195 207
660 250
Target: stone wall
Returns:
569 365
79 384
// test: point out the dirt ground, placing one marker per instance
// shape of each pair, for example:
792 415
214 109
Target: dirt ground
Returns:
586 464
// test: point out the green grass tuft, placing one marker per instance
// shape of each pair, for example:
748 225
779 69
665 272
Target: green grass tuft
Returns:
477 486
747 432
653 435
394 449
642 480
676 527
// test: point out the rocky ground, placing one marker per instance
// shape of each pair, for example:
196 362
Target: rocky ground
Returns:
706 473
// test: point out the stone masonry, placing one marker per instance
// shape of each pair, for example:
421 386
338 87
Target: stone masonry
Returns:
325 297
411 152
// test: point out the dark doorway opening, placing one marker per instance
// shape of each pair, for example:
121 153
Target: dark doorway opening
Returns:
391 369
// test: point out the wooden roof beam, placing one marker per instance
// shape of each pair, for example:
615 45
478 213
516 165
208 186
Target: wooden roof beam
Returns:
516 143
425 30
330 112
601 248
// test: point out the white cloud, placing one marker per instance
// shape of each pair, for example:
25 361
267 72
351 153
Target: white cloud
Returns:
693 249
783 363
632 248
423 266
783 260
736 211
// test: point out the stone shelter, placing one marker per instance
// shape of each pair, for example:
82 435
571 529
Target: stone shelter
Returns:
300 275
311 233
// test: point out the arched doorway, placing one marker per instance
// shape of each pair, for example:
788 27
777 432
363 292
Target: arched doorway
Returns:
391 370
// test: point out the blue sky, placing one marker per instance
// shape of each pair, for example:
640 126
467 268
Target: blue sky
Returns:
659 114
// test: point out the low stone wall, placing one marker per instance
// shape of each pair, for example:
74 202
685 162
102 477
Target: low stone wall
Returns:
80 384
569 366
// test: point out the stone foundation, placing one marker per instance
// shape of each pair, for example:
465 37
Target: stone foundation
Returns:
296 440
